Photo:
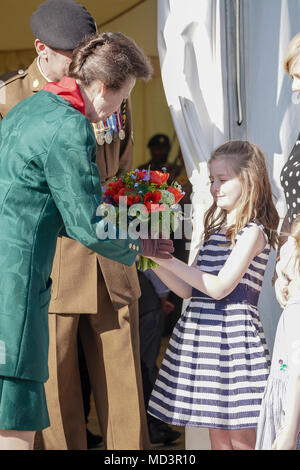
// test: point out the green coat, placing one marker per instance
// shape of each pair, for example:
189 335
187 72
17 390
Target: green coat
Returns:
48 181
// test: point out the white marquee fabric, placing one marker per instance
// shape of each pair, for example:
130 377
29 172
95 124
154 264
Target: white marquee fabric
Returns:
221 63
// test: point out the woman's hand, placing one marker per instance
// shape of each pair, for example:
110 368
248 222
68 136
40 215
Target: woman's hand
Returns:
281 290
283 271
157 248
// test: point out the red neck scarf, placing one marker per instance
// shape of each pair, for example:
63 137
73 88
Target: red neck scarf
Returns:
68 89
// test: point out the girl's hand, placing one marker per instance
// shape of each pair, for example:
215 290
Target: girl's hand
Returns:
285 441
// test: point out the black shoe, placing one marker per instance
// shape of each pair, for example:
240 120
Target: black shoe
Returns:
92 439
162 434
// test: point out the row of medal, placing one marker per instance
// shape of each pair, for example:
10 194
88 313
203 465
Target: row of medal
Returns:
110 130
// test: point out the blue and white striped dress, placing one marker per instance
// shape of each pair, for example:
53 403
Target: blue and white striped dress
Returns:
217 363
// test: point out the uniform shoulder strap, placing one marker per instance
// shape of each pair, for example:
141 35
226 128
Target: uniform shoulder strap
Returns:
12 76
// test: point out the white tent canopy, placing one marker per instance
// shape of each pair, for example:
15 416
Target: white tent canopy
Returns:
222 71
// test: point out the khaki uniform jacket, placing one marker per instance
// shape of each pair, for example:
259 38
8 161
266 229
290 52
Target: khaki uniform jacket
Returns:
74 271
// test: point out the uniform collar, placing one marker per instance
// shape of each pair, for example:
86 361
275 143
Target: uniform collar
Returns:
36 79
40 69
68 89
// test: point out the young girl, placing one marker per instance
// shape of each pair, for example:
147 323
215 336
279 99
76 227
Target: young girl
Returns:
279 418
216 365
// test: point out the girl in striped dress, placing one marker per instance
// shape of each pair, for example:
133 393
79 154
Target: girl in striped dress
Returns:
216 365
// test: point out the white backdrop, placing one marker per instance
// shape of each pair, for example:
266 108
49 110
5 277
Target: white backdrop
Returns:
211 75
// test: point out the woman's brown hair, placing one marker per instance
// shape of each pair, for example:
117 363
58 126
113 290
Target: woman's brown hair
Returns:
111 58
256 201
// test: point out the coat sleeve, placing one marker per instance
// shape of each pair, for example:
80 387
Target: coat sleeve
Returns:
74 181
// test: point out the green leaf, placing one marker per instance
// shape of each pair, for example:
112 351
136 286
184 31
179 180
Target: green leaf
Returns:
146 263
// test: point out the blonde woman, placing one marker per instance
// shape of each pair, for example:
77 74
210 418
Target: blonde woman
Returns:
279 421
290 174
280 418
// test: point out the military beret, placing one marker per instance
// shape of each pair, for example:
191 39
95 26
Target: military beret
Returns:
62 24
159 140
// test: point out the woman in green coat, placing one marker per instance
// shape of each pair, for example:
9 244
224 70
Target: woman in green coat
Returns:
49 182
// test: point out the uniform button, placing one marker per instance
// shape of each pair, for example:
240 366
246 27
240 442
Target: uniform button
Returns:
20 71
133 247
137 248
130 245
35 83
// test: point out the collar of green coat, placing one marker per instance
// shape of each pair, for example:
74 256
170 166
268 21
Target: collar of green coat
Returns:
68 89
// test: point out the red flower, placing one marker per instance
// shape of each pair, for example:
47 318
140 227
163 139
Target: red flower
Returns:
177 193
132 198
158 177
140 174
119 194
151 198
113 188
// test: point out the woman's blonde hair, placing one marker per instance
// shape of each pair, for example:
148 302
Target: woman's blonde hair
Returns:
256 202
292 53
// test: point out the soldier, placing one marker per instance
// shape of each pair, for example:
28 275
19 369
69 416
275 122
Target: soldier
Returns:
91 295
159 146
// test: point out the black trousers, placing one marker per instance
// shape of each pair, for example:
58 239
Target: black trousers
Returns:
151 329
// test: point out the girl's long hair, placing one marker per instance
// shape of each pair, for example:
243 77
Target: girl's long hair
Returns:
256 202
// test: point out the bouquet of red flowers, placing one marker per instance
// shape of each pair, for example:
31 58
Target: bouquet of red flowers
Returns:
144 199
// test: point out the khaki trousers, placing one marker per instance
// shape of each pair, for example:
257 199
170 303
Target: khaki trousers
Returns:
110 340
